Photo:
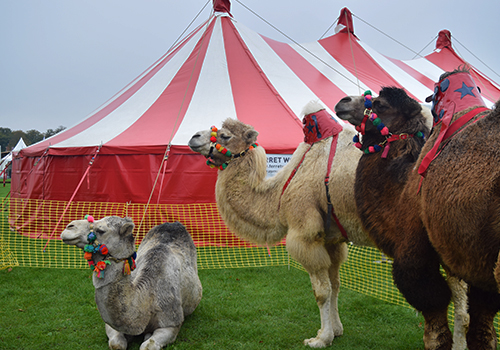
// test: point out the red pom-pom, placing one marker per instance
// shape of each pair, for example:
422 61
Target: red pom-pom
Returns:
103 250
384 131
213 139
371 149
223 150
357 144
90 218
87 256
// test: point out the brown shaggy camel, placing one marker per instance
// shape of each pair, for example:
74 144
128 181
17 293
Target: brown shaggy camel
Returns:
449 217
150 300
255 208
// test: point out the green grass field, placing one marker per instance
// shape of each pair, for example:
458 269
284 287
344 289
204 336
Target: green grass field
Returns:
241 308
246 308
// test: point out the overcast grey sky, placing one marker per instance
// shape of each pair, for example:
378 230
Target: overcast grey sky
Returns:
61 59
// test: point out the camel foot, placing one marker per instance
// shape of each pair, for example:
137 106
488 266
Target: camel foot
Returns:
321 341
160 338
116 340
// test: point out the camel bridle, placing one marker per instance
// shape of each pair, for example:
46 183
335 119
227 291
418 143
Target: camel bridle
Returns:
95 248
389 137
223 150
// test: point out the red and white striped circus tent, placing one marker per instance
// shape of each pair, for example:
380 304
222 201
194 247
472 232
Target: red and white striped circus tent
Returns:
134 147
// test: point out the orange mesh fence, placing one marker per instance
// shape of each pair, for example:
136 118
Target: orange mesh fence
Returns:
30 237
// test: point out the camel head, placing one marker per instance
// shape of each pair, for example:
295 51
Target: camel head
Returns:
222 145
393 106
112 231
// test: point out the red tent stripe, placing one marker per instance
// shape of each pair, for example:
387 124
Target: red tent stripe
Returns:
255 96
322 87
163 118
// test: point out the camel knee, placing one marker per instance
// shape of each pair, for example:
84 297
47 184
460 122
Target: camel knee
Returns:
422 286
321 286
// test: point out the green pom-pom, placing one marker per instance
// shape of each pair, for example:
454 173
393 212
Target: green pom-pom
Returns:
228 153
367 92
366 151
420 134
377 121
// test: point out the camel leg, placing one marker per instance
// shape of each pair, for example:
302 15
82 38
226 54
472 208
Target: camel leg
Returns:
421 283
116 340
483 307
459 296
338 254
160 338
312 254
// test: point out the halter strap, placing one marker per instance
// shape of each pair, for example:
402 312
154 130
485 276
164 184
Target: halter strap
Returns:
389 137
223 150
95 248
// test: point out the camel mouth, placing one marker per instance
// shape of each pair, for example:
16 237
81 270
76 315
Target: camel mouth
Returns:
73 241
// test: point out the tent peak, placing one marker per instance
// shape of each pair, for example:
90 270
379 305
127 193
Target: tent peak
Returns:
222 6
344 24
444 40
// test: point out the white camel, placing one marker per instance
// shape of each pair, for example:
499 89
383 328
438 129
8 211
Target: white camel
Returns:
265 210
150 300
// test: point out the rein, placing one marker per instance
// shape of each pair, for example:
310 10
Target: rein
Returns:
95 248
389 137
223 150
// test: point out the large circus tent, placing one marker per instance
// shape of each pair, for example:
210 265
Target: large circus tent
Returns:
133 149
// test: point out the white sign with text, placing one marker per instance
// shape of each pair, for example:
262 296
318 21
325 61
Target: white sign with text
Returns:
275 162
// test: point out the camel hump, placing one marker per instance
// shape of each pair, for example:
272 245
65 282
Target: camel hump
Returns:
170 232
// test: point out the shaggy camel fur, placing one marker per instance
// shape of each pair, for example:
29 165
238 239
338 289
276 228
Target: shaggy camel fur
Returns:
451 219
254 207
155 297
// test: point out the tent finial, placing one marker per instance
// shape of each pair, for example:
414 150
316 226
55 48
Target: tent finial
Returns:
222 6
344 24
444 40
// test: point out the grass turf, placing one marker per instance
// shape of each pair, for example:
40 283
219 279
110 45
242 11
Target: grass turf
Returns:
245 308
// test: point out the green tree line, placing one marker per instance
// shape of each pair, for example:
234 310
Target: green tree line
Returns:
10 138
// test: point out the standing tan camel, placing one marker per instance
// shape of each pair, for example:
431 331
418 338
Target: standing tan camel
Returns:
450 216
258 210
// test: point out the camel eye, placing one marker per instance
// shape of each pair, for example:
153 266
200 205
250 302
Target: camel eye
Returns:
99 231
224 137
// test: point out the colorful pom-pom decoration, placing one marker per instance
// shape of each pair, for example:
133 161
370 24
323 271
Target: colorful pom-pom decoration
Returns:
368 104
87 256
213 139
103 249
367 93
91 237
89 218
358 145
385 131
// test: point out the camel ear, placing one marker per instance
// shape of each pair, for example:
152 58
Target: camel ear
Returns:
251 136
127 228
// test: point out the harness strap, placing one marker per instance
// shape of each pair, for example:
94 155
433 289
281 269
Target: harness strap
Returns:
331 210
445 134
292 174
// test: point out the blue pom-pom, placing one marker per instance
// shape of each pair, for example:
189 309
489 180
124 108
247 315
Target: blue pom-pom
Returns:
377 148
355 138
380 126
368 103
